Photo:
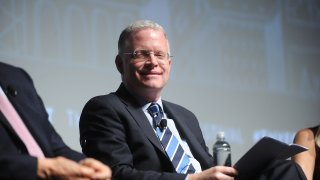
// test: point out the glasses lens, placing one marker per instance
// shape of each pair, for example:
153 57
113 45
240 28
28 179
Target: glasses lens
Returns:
160 55
144 55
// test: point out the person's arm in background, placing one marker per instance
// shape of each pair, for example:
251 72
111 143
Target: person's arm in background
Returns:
66 163
306 159
28 167
63 168
61 161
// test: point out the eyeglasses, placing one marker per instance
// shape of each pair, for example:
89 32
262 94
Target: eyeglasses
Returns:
144 55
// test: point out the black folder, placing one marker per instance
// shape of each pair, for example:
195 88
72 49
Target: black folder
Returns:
264 152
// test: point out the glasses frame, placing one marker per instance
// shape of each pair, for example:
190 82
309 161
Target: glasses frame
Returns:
145 55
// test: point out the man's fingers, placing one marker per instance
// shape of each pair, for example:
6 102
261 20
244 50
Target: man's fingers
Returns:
85 172
226 170
101 171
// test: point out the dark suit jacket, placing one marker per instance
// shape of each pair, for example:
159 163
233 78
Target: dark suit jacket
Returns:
15 163
114 129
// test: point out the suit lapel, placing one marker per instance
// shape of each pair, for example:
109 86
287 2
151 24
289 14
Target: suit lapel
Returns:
145 126
138 115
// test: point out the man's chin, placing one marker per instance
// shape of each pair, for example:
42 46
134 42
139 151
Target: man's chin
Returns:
151 83
154 86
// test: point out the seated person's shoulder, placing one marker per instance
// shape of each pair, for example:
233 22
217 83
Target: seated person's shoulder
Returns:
304 135
106 98
176 106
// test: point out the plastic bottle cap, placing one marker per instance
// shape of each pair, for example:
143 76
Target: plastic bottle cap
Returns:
220 135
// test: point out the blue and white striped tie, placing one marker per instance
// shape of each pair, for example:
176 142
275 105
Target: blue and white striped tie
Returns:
170 143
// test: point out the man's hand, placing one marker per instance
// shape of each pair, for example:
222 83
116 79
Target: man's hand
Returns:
62 168
101 171
215 173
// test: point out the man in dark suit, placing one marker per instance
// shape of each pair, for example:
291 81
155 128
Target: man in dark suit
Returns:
56 159
121 129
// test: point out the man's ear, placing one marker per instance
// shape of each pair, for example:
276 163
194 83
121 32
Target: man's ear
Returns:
119 64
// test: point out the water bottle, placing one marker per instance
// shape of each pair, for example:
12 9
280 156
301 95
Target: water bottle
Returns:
221 151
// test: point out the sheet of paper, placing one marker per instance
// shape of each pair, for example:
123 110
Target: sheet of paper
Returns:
265 151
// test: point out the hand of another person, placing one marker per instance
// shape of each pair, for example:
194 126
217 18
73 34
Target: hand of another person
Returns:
102 172
215 173
62 168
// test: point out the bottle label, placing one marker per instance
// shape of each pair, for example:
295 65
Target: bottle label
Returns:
223 157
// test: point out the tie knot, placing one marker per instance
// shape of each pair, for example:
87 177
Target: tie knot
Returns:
156 113
155 110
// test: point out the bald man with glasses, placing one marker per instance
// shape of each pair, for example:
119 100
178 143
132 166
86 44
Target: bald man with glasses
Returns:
137 133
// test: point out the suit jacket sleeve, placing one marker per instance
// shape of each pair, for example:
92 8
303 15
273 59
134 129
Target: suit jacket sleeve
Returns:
106 132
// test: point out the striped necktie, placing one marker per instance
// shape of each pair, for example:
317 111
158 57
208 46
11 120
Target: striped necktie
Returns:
18 125
170 143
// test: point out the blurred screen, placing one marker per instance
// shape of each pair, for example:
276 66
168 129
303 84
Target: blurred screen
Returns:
248 68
